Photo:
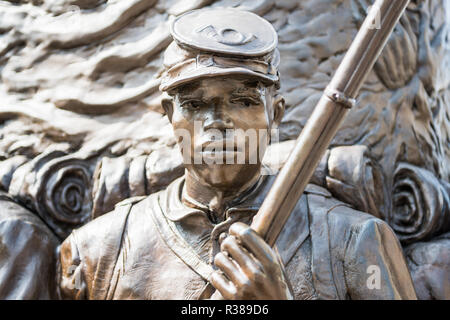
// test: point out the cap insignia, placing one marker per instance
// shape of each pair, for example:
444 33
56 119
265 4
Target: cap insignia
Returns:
227 36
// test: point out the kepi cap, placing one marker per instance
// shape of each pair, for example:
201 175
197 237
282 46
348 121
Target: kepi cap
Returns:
219 42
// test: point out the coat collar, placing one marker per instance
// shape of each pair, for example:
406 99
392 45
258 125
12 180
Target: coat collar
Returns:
290 239
178 210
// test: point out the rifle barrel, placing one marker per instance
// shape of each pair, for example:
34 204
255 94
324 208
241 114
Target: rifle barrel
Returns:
327 117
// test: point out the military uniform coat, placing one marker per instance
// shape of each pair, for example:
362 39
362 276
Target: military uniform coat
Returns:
161 247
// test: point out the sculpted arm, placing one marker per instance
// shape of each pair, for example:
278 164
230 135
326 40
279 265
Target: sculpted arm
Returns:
374 265
27 260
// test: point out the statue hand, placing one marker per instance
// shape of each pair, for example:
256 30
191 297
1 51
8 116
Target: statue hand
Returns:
248 268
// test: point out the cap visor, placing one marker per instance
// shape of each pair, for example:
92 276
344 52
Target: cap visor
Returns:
214 71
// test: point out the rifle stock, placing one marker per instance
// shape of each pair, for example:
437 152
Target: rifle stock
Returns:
326 119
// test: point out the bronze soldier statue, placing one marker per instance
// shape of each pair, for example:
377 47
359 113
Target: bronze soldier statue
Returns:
192 240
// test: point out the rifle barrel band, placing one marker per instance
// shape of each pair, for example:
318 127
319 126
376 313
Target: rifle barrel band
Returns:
340 98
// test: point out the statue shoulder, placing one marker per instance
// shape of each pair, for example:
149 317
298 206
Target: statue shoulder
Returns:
342 217
93 249
374 263
13 212
345 224
20 225
316 210
360 246
108 225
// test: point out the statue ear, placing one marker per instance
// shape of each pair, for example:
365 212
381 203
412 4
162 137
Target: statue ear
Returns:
278 110
167 104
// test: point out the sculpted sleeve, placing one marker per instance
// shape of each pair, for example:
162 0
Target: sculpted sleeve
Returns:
27 255
27 260
71 280
374 265
88 256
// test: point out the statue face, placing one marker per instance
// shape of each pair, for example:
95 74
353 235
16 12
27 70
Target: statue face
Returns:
223 127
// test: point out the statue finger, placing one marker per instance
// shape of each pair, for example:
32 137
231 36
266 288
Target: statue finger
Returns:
223 285
230 269
254 244
241 256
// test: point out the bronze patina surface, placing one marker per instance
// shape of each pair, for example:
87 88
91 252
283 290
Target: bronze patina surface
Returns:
200 222
98 202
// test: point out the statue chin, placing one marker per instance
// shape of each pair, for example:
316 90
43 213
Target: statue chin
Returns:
226 177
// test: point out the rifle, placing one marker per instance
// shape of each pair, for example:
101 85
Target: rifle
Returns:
337 99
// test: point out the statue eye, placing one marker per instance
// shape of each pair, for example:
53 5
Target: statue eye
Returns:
192 104
245 102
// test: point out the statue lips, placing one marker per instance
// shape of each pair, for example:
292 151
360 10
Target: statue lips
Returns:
220 148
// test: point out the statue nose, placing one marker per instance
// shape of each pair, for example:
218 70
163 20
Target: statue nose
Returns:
217 119
218 124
